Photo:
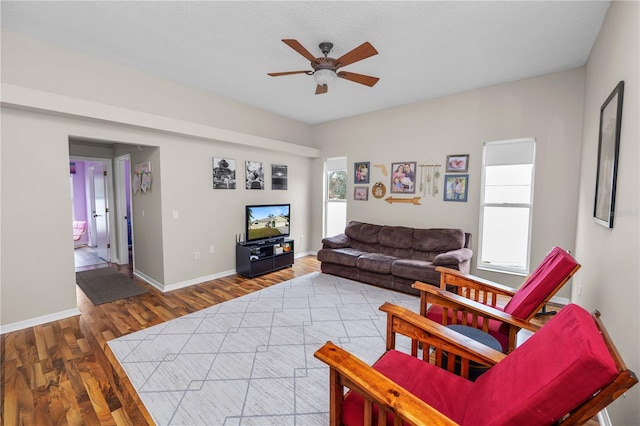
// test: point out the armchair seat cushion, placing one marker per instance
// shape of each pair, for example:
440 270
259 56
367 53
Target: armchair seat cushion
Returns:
431 384
558 368
376 262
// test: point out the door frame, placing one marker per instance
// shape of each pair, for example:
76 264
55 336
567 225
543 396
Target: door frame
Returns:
121 193
108 163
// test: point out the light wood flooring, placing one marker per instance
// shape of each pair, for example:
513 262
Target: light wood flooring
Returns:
63 373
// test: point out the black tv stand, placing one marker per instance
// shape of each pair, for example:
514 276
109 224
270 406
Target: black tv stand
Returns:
253 259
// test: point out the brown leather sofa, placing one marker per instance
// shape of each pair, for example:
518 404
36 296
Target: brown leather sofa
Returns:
394 257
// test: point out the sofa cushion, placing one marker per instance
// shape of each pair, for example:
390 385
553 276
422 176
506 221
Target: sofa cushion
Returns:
399 237
363 232
438 240
375 262
342 256
559 367
417 270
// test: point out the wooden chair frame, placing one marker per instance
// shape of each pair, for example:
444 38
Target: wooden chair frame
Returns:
478 298
346 370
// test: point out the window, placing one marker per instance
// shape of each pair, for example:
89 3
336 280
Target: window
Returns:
335 198
506 205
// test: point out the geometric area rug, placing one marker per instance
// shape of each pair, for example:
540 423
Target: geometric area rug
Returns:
249 361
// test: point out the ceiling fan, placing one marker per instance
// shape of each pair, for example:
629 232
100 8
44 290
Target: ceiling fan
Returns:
325 69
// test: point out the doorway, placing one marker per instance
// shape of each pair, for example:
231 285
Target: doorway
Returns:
335 196
93 201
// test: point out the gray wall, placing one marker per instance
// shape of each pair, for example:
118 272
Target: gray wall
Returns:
548 108
610 275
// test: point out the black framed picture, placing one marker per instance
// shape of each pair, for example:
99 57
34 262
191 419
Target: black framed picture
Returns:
224 173
279 176
608 148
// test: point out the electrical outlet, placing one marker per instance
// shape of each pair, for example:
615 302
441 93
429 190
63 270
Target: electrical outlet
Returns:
579 290
176 214
197 255
212 248
301 237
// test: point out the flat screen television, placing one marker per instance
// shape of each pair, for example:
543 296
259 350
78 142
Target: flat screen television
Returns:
267 222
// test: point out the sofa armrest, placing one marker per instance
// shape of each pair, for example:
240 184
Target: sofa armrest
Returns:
453 257
337 241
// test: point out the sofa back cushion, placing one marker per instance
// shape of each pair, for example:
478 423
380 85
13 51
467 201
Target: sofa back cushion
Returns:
438 240
364 232
555 370
396 241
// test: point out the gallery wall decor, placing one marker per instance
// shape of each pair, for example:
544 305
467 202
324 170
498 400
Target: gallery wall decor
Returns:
224 173
279 176
361 172
378 190
429 179
608 149
254 175
361 193
403 177
457 163
456 187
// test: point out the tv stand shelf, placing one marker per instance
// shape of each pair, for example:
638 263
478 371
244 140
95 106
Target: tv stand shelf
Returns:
253 259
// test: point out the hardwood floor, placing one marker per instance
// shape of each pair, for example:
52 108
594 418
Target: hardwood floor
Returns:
60 373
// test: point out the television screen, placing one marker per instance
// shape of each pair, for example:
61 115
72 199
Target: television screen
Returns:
266 222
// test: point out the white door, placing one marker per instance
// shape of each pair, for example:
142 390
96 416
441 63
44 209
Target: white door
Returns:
123 203
101 212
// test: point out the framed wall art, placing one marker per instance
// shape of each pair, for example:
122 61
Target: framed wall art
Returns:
456 187
279 176
254 175
608 148
361 172
403 177
457 163
224 173
361 193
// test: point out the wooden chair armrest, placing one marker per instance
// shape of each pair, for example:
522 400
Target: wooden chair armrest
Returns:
454 277
445 298
430 333
372 385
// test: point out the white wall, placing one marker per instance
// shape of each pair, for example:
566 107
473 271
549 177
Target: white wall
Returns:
610 276
93 103
548 108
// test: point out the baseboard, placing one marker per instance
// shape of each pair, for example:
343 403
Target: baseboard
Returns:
199 280
171 287
148 280
20 325
603 418
560 300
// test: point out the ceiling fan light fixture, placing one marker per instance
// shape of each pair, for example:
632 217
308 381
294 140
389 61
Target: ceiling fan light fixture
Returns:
324 76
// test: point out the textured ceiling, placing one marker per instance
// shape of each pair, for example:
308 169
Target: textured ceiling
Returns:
426 49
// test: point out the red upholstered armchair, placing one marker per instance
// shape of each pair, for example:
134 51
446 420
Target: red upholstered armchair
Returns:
480 299
564 374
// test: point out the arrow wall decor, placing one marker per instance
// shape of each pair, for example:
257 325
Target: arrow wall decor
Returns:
414 200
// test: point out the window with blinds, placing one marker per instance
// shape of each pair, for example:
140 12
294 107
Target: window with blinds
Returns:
506 205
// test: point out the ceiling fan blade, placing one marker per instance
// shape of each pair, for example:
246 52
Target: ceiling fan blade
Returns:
367 80
321 88
295 45
278 74
359 53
